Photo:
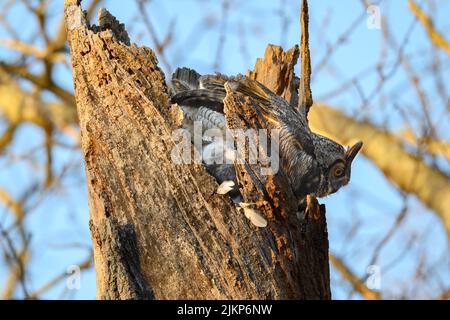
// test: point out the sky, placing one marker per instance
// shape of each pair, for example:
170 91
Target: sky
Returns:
370 199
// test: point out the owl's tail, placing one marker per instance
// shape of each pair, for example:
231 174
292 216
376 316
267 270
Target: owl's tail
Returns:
191 89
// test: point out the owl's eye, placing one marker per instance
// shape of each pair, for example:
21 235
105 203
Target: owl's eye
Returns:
339 171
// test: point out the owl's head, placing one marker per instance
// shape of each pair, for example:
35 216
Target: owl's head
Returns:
335 162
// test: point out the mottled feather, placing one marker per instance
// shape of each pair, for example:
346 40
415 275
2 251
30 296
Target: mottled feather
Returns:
309 160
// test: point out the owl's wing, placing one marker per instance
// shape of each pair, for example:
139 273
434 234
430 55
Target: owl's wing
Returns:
212 89
209 90
276 110
200 98
196 90
212 99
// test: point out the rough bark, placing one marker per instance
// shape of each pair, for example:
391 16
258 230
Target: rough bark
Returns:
158 228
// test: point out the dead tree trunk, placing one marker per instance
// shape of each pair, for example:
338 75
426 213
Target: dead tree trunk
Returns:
158 228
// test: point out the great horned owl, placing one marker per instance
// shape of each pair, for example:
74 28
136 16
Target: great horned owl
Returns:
315 165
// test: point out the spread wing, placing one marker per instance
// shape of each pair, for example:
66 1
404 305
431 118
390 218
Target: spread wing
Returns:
210 90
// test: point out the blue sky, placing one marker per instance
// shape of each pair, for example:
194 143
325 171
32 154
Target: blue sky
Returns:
62 218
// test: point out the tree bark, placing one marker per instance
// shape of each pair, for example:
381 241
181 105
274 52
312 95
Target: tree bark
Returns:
158 228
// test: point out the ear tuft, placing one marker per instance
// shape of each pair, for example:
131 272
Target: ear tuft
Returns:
352 151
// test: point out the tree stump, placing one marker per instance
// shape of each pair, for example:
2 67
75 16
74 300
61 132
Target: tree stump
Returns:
158 228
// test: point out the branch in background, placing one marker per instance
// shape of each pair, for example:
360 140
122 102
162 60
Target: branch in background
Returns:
357 284
436 38
83 265
19 257
16 274
160 46
7 136
24 48
433 146
12 204
410 173
43 82
18 106
390 233
48 146
415 80
444 295
222 34
340 40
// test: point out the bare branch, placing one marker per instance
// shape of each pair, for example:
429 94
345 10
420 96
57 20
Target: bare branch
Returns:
304 91
83 265
357 284
435 37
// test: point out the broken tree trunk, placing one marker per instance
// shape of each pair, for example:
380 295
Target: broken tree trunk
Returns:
158 228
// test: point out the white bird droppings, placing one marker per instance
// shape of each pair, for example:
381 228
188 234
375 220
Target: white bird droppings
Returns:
255 217
225 187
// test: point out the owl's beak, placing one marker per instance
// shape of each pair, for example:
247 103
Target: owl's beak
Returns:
351 152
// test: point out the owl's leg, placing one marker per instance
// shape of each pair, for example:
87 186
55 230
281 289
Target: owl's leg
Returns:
312 207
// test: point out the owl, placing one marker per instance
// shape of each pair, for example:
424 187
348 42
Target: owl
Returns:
315 165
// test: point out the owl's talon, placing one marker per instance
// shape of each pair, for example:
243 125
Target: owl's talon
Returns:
312 208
